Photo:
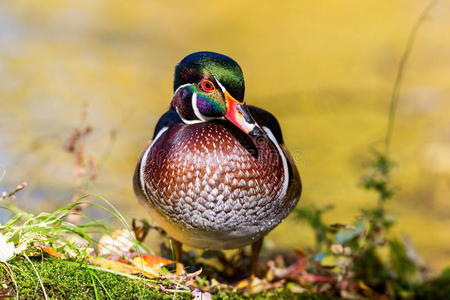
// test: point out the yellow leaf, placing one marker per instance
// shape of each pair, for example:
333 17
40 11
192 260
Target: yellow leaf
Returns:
114 265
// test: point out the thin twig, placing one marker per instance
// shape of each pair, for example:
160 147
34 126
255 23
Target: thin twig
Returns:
18 188
400 71
85 165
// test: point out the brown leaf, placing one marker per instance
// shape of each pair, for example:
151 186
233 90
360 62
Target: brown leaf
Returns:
297 268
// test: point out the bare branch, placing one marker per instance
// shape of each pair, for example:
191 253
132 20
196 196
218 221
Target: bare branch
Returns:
400 71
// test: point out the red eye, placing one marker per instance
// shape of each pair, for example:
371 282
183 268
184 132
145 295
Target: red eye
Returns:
207 86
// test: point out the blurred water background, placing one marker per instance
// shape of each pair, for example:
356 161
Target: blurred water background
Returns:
324 68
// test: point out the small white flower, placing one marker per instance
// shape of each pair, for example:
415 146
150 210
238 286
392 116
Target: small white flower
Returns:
6 249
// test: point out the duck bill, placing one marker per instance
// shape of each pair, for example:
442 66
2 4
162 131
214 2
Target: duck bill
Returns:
238 114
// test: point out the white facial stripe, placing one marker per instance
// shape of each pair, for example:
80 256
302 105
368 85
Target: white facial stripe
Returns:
181 86
220 85
186 121
284 161
144 160
197 113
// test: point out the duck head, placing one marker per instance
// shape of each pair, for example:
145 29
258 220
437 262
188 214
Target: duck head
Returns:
210 86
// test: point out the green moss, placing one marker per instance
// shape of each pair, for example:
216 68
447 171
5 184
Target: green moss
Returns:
68 280
76 281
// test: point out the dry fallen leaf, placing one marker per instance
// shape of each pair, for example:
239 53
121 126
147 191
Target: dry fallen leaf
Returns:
255 285
52 252
151 259
119 242
152 266
147 264
296 271
199 295
114 265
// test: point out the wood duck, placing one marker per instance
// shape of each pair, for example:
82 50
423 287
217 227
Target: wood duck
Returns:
216 174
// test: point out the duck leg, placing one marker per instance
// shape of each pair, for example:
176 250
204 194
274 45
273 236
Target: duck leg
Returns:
140 231
256 249
177 250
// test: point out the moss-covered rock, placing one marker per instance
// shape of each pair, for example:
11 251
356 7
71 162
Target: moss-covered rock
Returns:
68 280
75 281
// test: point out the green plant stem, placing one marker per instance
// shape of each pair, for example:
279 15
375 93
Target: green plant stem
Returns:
37 275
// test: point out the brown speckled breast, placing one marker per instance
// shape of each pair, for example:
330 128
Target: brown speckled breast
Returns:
207 189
